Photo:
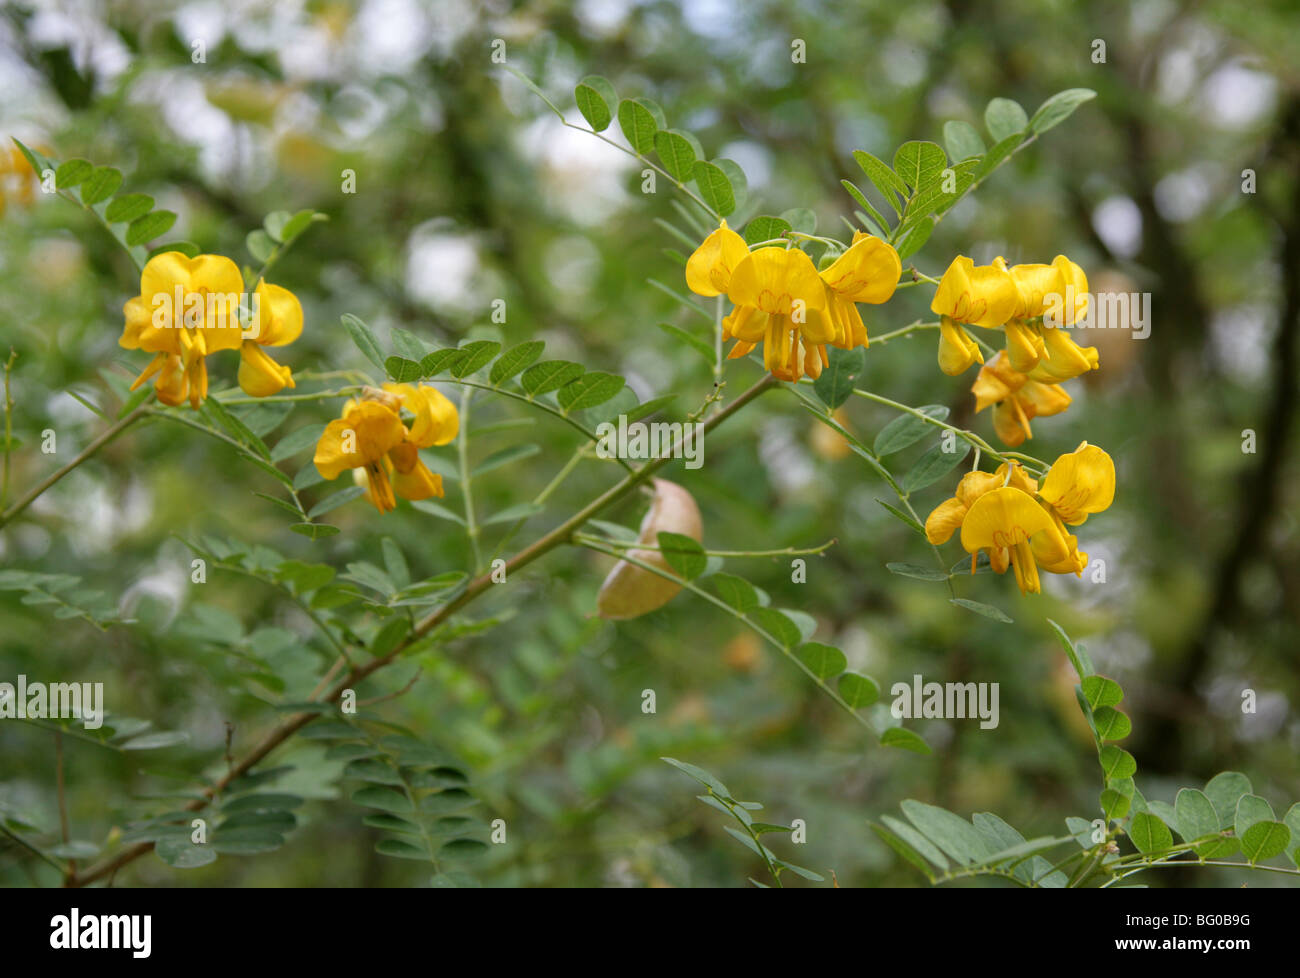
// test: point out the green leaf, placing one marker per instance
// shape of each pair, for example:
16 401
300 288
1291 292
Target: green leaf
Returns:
908 848
299 223
100 185
1292 821
187 248
474 357
715 188
297 441
823 661
505 456
589 390
951 833
904 517
126 208
510 514
180 853
676 152
335 500
1195 816
364 339
1078 658
907 429
1116 763
694 342
438 510
962 140
440 360
274 224
765 228
152 225
997 154
1149 834
1058 108
736 592
777 625
1264 840
549 375
596 99
1111 723
987 610
933 466
912 570
638 124
858 690
1004 119
390 636
385 799
155 741
700 775
268 801
885 180
1101 691
1115 803
919 163
407 345
866 205
801 219
1250 809
260 245
835 385
514 360
739 182
71 172
904 738
683 555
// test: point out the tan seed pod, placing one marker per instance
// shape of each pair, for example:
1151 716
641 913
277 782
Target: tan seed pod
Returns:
630 591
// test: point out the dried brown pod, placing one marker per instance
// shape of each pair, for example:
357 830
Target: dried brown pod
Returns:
631 591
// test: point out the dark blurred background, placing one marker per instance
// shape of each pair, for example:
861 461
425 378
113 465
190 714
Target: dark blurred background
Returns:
469 190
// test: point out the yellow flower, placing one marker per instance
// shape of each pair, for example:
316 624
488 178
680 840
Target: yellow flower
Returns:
1014 529
970 295
187 308
708 270
1041 348
372 437
278 322
780 302
1079 483
867 272
1019 399
947 517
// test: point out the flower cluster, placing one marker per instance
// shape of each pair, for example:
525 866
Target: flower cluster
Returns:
782 301
1033 305
372 438
1020 523
189 308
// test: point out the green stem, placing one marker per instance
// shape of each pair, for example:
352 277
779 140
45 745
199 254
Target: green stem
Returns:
467 489
86 453
9 429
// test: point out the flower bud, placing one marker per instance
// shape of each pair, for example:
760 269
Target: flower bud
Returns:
631 591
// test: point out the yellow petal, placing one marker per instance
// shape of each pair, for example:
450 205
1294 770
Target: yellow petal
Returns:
1024 345
1063 358
944 520
1011 423
436 419
867 272
1079 484
957 351
1043 400
172 386
1073 303
708 270
279 316
745 323
412 479
1037 285
777 281
982 295
366 433
1003 518
996 382
259 375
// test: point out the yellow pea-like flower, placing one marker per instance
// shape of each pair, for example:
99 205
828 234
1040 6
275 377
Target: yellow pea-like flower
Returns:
780 302
970 295
372 439
1017 397
1016 530
1079 483
278 322
867 272
708 270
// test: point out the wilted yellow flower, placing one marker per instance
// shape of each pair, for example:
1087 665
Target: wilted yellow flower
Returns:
1019 399
970 295
186 309
372 437
278 322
